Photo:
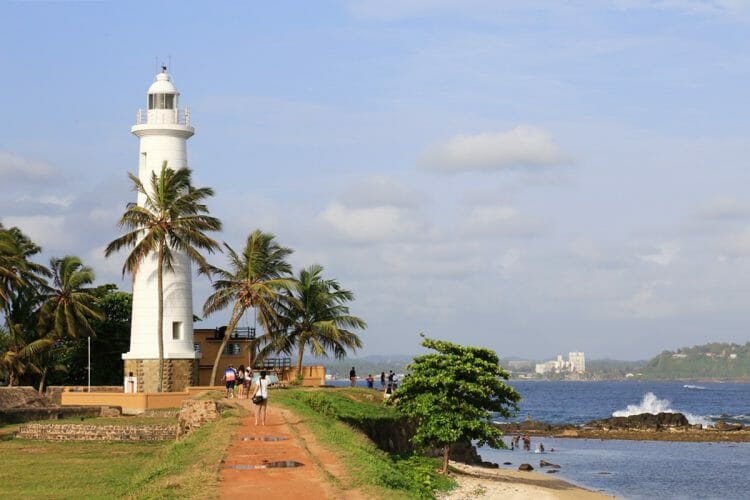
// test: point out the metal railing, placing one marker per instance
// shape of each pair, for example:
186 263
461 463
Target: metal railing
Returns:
160 117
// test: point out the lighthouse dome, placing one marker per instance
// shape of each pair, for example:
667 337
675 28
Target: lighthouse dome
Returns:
162 84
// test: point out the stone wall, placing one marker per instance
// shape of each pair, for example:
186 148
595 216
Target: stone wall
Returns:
179 374
195 414
71 432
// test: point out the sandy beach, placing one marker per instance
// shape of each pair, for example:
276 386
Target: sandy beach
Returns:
478 482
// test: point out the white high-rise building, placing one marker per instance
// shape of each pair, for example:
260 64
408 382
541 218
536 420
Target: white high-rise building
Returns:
577 361
162 130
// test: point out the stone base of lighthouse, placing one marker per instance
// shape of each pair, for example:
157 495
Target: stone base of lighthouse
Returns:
179 374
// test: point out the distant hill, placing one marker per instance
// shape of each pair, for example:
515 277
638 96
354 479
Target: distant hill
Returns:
714 360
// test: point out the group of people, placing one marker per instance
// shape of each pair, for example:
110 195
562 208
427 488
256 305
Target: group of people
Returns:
241 379
516 442
386 388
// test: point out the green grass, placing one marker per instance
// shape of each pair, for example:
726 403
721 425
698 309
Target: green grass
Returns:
380 474
185 469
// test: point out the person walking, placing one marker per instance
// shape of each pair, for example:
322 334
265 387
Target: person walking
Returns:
261 389
229 377
353 377
248 381
240 381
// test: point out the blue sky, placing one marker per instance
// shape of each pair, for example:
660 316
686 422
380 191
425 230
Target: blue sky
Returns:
530 176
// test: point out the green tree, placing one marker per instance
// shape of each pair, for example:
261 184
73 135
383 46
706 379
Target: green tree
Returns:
253 280
171 219
451 395
111 340
22 282
314 316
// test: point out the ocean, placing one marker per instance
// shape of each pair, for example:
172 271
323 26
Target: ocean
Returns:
638 469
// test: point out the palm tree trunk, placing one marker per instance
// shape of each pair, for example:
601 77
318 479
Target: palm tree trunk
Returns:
300 353
41 382
446 451
230 328
160 326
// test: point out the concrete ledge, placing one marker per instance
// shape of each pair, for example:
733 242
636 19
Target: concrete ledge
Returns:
130 403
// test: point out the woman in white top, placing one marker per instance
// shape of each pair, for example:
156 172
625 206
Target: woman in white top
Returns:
261 387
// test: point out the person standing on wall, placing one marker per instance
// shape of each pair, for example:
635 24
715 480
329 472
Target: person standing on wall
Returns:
260 398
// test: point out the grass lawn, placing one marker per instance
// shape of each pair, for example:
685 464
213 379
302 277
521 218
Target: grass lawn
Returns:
185 469
382 475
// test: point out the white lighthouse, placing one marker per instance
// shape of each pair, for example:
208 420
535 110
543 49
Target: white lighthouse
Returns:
163 130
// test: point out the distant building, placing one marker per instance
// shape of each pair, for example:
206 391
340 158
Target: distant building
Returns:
576 363
519 365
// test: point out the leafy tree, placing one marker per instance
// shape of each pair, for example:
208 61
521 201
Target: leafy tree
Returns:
314 316
171 219
21 283
451 395
253 281
111 340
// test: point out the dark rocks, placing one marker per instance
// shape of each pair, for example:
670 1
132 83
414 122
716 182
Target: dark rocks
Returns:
552 471
507 463
544 463
726 426
643 422
525 467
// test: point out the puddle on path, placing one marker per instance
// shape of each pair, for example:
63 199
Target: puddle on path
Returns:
268 465
264 438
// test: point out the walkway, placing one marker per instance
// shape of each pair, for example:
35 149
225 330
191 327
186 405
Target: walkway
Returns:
313 479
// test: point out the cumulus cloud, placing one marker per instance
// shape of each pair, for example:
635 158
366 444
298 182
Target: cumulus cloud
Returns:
724 209
16 169
520 147
663 254
380 191
44 230
500 220
369 224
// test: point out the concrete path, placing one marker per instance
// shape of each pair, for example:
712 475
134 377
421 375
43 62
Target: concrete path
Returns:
244 477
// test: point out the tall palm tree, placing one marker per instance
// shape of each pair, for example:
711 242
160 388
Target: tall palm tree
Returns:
172 219
253 280
69 305
315 317
22 283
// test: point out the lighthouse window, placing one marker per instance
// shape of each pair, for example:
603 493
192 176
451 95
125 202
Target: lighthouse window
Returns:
161 101
176 330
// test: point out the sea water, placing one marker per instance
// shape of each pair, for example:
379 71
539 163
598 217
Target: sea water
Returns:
638 469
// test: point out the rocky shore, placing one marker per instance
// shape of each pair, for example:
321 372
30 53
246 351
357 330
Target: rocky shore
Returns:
642 427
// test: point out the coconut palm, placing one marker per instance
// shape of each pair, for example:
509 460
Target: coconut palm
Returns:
17 272
314 316
171 219
253 280
69 306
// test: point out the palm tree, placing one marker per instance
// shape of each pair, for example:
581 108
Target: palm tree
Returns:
69 306
315 317
22 283
253 281
172 219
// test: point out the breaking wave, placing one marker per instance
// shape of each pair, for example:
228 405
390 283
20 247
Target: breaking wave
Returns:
694 387
651 404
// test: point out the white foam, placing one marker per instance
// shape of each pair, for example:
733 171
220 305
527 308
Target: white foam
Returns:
651 404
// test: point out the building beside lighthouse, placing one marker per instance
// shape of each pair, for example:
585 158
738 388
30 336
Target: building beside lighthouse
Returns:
162 130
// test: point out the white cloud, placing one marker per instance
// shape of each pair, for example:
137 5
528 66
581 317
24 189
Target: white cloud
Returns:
663 254
380 191
15 168
724 209
369 224
522 146
499 220
647 303
46 231
736 245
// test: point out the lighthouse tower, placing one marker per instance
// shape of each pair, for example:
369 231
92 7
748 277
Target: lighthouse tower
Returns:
162 131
